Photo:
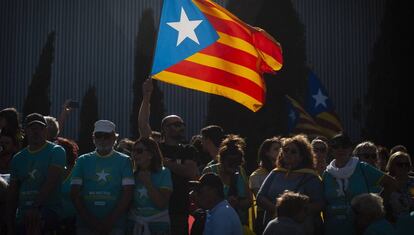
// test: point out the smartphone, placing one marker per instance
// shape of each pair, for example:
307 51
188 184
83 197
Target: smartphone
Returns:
73 104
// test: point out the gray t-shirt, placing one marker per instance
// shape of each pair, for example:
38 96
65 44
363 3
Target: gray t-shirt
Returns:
284 226
276 183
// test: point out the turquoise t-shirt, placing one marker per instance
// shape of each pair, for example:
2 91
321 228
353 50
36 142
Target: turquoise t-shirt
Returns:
68 209
380 227
102 179
142 205
30 169
338 216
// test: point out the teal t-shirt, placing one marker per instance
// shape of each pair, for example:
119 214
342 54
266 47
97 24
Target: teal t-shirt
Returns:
68 209
380 227
30 170
338 216
102 179
142 205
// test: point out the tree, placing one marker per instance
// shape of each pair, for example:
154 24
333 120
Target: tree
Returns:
88 117
279 19
38 94
388 98
144 48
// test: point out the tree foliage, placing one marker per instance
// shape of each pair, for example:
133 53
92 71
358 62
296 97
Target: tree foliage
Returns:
88 117
144 50
38 94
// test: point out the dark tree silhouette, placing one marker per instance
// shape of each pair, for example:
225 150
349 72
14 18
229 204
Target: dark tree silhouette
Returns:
38 94
389 96
279 19
88 117
144 48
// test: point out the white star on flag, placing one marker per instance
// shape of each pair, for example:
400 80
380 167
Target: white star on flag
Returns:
320 99
185 28
102 175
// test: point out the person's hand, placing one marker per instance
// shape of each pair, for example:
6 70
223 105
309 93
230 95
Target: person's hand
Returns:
147 88
145 177
66 108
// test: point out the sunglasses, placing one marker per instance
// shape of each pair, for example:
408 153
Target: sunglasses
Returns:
403 164
372 156
99 135
176 124
320 150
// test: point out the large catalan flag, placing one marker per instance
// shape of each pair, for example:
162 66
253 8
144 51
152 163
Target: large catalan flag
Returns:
204 47
321 108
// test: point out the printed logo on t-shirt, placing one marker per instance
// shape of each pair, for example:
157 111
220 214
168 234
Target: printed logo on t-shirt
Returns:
103 176
32 174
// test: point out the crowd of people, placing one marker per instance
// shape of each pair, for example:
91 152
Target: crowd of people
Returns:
158 184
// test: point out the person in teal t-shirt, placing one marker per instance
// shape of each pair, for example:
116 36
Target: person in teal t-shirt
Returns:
152 191
102 184
346 177
36 174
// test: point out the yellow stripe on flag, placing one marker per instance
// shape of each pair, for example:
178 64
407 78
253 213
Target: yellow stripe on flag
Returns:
330 118
274 64
196 84
236 69
237 43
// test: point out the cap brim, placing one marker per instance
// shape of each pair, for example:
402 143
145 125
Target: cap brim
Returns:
38 122
194 184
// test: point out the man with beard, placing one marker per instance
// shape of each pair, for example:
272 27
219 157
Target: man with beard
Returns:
102 184
35 180
179 158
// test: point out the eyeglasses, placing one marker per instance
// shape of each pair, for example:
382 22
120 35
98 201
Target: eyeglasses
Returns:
99 135
373 156
290 151
403 164
176 124
320 150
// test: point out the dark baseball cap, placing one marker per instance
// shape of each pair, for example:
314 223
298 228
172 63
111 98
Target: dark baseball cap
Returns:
340 140
35 118
208 179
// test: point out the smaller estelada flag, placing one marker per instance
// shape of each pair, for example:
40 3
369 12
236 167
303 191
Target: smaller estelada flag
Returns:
204 47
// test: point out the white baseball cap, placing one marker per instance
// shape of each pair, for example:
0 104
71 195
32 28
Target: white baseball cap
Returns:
104 126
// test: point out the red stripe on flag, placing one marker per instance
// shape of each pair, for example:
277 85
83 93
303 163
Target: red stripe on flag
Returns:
219 77
230 28
232 54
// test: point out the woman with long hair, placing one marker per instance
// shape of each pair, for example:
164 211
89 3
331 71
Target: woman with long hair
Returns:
295 171
153 187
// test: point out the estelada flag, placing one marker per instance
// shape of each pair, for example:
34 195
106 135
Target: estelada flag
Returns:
321 108
204 47
299 121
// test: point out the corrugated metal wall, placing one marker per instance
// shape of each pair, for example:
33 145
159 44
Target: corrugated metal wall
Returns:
95 46
340 35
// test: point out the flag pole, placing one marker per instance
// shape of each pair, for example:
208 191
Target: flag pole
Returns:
156 39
